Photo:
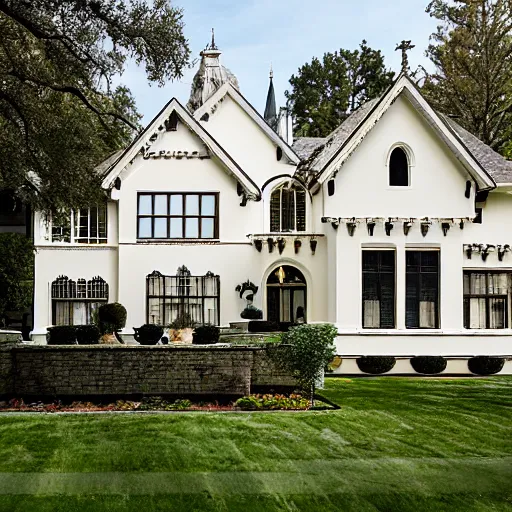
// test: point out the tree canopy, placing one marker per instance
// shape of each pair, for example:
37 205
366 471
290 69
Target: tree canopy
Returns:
324 93
60 111
472 54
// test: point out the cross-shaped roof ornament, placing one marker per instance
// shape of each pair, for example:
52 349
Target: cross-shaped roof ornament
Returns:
405 46
212 46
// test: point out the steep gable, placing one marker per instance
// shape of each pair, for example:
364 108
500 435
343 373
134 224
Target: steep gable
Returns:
147 145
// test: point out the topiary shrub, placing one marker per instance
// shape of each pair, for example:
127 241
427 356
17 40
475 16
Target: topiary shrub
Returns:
206 335
61 335
486 365
148 334
376 365
112 317
262 326
251 313
428 365
87 334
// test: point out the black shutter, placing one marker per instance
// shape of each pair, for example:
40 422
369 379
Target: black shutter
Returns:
275 211
301 210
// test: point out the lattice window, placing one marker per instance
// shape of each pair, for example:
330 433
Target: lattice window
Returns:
183 295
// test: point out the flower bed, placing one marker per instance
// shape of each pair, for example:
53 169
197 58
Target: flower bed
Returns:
267 402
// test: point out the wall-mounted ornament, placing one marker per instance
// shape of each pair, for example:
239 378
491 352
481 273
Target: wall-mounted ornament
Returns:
335 224
279 154
258 244
502 249
425 226
239 188
331 187
407 226
297 245
312 244
281 243
351 226
461 224
117 183
247 291
370 225
388 227
486 250
270 242
469 251
445 226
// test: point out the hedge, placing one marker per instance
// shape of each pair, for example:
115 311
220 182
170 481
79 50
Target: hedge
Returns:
428 365
87 334
486 365
61 335
376 365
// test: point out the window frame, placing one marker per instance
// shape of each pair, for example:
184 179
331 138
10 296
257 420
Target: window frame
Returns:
408 156
419 274
467 296
69 233
72 291
279 188
379 250
182 275
183 216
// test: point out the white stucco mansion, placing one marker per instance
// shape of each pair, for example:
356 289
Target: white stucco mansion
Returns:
396 227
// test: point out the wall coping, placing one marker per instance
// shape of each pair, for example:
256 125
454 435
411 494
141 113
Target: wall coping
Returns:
191 348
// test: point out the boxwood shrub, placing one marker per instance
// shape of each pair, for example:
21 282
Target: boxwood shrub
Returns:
112 317
428 365
486 365
376 365
61 335
148 334
262 326
87 334
206 335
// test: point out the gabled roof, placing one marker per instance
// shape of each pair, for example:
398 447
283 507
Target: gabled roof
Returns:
304 146
340 144
228 90
157 125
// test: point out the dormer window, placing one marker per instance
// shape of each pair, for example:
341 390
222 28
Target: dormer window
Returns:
288 208
399 168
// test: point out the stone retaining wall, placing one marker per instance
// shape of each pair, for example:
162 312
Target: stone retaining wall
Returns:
132 370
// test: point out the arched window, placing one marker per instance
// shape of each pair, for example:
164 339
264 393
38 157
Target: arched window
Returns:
398 168
74 302
288 208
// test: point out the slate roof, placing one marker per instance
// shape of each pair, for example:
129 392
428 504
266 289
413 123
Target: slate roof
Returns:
316 152
105 166
304 146
498 167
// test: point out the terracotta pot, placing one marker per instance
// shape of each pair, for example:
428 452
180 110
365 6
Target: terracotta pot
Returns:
184 336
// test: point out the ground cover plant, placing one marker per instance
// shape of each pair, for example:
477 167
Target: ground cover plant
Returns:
408 444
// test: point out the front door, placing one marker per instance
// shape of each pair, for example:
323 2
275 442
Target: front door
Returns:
286 295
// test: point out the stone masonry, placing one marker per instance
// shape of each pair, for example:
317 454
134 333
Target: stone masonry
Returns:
133 370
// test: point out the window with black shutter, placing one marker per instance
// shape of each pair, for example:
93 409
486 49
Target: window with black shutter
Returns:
422 290
379 289
288 208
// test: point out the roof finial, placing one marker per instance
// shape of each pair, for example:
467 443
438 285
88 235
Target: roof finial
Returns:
405 46
212 46
271 72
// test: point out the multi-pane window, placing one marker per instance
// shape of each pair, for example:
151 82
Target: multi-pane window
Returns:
75 302
83 226
422 290
379 289
183 296
177 215
288 208
486 299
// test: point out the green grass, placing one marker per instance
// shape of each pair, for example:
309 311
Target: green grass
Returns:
395 445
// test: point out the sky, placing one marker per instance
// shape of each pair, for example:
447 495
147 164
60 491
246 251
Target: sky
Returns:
255 34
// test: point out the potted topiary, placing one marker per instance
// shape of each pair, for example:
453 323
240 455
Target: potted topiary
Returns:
148 334
112 318
206 335
182 329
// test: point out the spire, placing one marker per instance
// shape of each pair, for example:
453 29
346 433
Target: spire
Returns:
210 76
270 109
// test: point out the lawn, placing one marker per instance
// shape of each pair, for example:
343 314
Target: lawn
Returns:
395 445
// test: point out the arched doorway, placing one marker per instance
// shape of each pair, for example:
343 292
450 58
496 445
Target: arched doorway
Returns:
286 295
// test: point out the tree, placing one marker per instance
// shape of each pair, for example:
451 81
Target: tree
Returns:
324 93
472 54
305 351
16 272
60 113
